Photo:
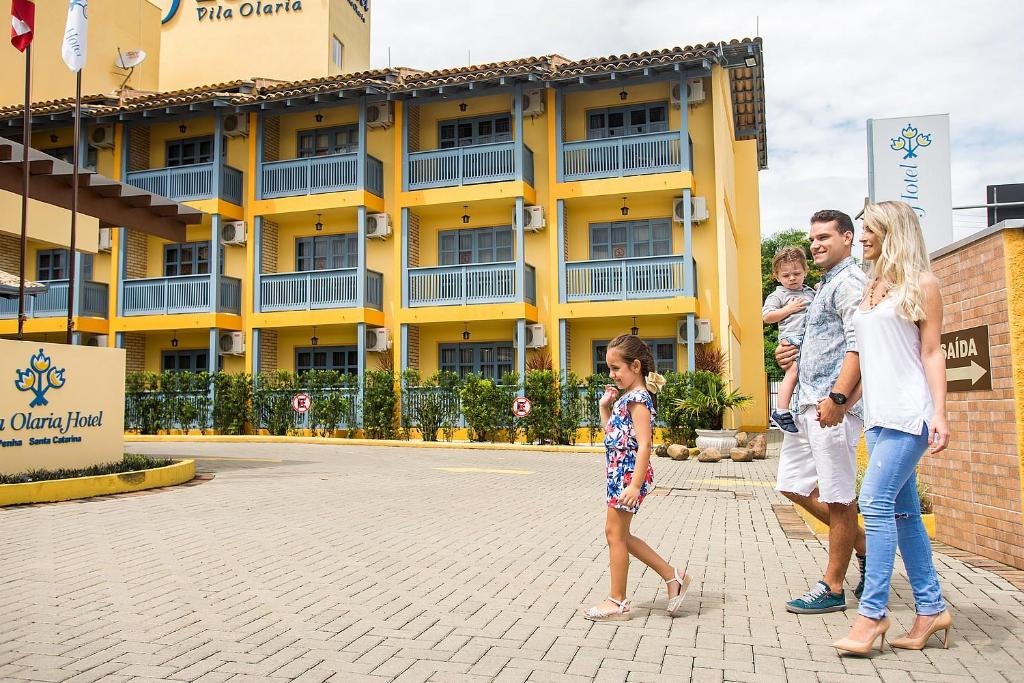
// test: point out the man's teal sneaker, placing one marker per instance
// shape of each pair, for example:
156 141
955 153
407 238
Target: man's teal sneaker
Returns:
819 600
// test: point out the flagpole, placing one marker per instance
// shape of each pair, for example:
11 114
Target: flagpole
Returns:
26 142
76 151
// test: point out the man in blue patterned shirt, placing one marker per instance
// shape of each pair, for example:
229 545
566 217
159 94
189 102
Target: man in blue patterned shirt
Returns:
818 463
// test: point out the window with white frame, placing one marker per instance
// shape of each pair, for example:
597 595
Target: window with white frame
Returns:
337 51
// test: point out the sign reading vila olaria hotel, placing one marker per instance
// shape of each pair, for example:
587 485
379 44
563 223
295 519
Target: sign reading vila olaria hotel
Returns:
63 406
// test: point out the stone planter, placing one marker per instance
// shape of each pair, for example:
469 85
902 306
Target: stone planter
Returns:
724 440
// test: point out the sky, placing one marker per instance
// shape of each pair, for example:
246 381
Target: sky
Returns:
828 67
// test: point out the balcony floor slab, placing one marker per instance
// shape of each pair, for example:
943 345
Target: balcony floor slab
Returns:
318 202
674 306
464 194
179 321
626 185
55 325
323 317
470 313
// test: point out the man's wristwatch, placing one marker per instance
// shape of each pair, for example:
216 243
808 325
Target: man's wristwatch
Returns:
837 398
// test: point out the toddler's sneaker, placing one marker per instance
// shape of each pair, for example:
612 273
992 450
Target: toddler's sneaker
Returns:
784 419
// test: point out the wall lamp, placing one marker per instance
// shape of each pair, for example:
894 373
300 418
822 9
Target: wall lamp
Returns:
465 214
319 224
634 330
314 340
624 209
465 332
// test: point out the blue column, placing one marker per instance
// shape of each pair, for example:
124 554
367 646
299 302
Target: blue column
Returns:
404 284
119 340
563 351
259 154
76 338
76 303
521 354
361 258
684 125
212 367
215 247
405 145
520 252
255 353
691 341
561 251
361 153
689 286
257 264
404 341
361 366
218 154
517 113
122 269
559 105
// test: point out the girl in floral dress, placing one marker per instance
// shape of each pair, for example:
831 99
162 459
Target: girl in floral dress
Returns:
629 425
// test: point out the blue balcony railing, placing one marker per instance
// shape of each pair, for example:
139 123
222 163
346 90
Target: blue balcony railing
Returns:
315 289
489 163
315 175
53 302
484 283
189 183
621 156
181 294
651 277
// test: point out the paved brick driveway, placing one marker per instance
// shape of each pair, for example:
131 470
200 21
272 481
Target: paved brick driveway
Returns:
346 563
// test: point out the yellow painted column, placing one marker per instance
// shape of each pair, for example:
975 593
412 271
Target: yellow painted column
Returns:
1013 258
252 167
550 320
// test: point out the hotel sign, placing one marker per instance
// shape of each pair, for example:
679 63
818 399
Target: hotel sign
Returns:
63 406
218 10
908 160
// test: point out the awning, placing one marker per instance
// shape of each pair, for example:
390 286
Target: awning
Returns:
114 203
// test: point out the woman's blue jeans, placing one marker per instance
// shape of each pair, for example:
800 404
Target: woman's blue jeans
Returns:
892 513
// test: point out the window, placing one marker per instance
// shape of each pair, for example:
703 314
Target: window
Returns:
631 120
191 258
327 252
190 151
664 351
489 360
323 141
631 239
337 51
65 154
475 245
186 361
52 264
344 359
475 131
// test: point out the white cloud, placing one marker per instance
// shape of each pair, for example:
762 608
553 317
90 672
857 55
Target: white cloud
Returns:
829 66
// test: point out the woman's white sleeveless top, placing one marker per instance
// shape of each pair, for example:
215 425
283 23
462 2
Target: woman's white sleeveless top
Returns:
896 394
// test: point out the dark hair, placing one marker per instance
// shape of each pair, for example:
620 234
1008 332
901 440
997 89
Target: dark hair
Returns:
789 255
843 221
634 348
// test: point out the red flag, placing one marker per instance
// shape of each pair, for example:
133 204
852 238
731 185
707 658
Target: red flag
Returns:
23 21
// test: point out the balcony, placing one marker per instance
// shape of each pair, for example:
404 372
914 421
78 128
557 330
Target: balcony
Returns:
181 294
474 164
650 277
484 283
621 156
316 175
318 289
53 302
189 183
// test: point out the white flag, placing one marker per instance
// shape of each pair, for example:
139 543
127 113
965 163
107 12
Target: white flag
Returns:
75 35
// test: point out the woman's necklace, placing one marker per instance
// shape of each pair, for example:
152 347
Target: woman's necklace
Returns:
876 288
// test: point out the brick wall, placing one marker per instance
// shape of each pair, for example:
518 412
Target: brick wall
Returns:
269 245
138 150
975 484
414 347
10 247
135 351
272 138
138 253
268 351
414 239
413 112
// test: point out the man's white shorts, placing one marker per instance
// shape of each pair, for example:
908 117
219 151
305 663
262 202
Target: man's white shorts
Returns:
825 457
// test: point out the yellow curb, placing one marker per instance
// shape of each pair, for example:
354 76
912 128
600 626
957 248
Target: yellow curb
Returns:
331 441
820 528
101 485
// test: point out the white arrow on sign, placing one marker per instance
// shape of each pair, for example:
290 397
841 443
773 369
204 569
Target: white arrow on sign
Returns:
973 372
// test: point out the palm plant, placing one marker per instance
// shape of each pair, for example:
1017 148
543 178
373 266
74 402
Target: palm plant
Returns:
708 398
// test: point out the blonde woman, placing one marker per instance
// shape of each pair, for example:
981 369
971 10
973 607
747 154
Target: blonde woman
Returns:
903 371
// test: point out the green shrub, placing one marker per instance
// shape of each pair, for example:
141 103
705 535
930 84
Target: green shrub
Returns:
708 398
330 404
380 403
232 405
570 409
481 406
272 401
142 402
591 410
505 395
542 388
131 462
679 425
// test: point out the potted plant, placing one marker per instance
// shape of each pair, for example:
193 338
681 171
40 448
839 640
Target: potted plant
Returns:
706 402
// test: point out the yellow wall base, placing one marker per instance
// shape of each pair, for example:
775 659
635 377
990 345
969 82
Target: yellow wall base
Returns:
820 528
102 485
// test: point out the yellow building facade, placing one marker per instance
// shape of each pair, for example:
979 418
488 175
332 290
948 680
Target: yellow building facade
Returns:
472 219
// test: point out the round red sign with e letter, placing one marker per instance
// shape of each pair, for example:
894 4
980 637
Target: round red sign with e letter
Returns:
301 403
521 406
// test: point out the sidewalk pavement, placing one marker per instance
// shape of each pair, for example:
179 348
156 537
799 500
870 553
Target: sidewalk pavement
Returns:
314 563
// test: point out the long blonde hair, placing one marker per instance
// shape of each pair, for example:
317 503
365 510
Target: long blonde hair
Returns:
903 256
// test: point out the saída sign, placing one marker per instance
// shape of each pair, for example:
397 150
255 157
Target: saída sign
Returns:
215 10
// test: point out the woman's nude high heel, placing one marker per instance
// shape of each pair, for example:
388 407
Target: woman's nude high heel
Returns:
943 622
858 647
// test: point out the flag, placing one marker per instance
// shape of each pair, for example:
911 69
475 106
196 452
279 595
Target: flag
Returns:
23 20
75 35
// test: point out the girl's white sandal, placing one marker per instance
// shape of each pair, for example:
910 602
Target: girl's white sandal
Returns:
619 613
675 604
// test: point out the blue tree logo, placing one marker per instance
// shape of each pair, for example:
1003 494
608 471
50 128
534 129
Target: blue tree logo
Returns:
39 377
909 141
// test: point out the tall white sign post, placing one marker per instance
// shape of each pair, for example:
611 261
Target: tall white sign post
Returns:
908 160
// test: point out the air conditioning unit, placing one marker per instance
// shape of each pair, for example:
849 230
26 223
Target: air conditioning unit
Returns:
106 239
703 333
378 225
102 137
535 337
235 125
533 218
533 103
99 340
231 343
378 339
378 115
233 232
694 92
698 209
